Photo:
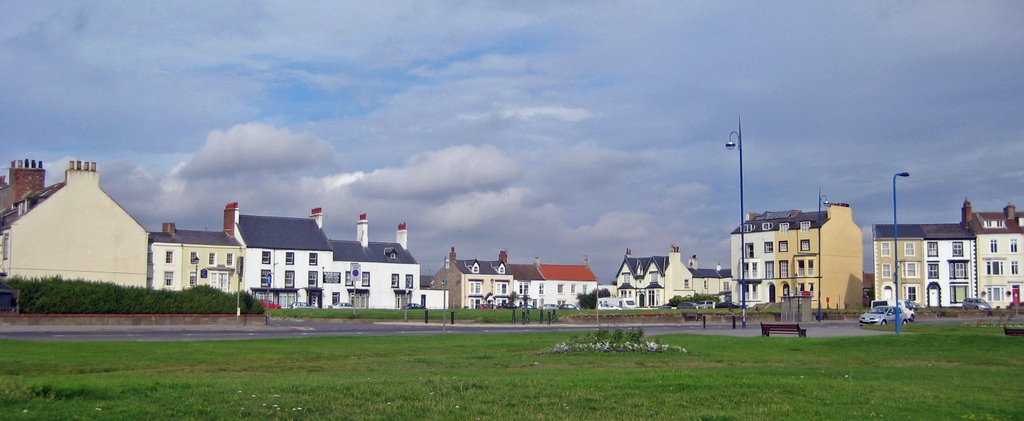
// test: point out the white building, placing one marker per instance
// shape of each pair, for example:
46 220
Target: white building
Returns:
373 274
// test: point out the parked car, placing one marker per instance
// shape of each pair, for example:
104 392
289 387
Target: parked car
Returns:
976 304
414 306
706 304
686 305
666 306
485 306
568 307
606 306
527 306
550 307
881 315
727 304
269 304
342 306
905 308
507 306
913 305
300 304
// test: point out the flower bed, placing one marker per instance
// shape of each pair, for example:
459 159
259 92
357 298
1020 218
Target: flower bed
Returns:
631 340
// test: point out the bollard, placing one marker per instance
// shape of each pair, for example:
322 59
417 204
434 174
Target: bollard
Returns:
426 316
513 317
734 321
453 317
703 321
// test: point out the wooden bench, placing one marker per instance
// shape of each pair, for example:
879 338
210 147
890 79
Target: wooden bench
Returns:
790 328
1013 331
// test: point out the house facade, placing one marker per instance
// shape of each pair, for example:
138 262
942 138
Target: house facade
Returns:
653 280
936 263
1000 252
71 229
473 283
562 284
181 259
371 274
795 252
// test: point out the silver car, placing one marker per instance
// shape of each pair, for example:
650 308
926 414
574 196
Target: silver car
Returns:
976 304
881 315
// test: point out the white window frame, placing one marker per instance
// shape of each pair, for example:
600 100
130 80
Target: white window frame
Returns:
993 246
168 278
886 271
958 249
909 250
784 227
805 226
884 249
769 247
911 270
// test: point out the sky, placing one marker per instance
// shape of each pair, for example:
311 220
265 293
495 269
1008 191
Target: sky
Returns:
560 130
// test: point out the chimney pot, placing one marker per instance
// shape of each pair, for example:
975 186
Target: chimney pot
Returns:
92 167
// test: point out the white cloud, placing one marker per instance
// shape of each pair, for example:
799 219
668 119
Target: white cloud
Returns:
452 170
258 148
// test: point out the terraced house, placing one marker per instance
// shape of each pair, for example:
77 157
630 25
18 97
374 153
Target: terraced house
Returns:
653 280
181 259
792 252
1000 252
473 283
936 263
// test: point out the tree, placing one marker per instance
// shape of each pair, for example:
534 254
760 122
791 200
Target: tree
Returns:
589 300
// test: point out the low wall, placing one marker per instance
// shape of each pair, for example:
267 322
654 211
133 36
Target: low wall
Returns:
131 319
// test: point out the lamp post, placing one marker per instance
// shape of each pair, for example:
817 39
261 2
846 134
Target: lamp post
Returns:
822 199
896 248
738 145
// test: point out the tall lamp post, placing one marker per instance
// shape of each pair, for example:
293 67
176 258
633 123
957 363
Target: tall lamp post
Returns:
738 145
896 248
822 199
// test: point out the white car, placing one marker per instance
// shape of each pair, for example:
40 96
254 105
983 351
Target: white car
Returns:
606 306
549 307
300 304
881 315
342 306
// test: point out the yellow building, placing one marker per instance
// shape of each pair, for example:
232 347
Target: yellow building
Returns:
181 259
793 252
71 229
473 283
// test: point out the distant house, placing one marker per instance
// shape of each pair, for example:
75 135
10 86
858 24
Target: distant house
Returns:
374 274
188 258
654 280
474 283
71 229
562 283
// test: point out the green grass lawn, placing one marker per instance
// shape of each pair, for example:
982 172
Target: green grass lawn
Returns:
950 375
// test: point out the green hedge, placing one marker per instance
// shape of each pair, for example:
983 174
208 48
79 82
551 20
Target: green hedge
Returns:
59 296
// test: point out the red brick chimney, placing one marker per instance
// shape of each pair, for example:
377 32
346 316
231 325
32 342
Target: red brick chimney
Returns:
451 257
230 218
965 214
26 177
1011 211
503 256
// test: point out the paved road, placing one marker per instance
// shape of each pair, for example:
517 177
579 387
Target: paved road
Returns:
298 328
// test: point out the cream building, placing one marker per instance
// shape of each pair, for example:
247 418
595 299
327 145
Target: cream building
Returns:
182 259
653 280
71 229
472 283
1000 254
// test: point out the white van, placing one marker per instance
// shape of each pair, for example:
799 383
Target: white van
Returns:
621 302
904 308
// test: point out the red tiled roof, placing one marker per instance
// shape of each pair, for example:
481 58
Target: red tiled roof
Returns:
567 273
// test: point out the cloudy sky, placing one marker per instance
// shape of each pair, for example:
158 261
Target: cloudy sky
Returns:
553 129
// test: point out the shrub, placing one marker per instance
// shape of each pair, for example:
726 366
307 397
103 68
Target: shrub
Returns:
58 296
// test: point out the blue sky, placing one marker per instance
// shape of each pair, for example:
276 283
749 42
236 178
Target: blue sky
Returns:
556 130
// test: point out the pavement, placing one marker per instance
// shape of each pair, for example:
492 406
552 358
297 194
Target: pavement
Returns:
278 328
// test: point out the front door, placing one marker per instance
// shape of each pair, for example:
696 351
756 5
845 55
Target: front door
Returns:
771 293
933 296
785 290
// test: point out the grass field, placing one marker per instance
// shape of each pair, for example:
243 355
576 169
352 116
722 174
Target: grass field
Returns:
955 374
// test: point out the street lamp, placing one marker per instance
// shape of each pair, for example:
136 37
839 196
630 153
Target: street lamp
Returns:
822 199
738 145
896 248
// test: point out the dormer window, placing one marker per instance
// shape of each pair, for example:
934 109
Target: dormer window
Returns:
994 224
748 227
501 268
784 227
805 226
475 268
766 226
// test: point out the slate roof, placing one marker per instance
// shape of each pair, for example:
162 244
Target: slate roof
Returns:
793 217
924 231
274 232
524 272
426 281
710 273
1010 226
209 238
487 267
645 262
567 273
8 216
374 252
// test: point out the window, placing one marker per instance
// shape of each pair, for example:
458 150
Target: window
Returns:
168 278
501 269
312 277
783 246
805 226
910 269
1013 268
193 258
805 245
266 257
994 267
801 268
686 284
265 278
289 279
313 259
1013 245
957 293
349 282
933 249
212 259
784 227
883 249
910 291
886 270
475 268
766 226
993 246
169 257
909 250
572 289
335 297
769 270
783 268
725 285
748 227
769 247
995 293
748 250
654 277
560 288
625 277
540 288
230 259
289 258
408 281
810 268
475 288
394 280
366 279
958 249
192 279
933 271
958 270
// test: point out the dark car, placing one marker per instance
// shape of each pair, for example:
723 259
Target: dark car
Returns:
414 306
568 307
507 306
727 304
485 306
686 305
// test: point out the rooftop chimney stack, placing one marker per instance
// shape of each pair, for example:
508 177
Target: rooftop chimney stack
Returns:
168 228
965 214
1011 211
693 262
402 236
318 215
363 231
451 258
536 262
25 177
503 256
230 218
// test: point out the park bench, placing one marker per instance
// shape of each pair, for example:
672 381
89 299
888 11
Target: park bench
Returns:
790 328
1013 331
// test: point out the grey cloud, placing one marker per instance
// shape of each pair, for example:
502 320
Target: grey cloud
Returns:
258 148
452 170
